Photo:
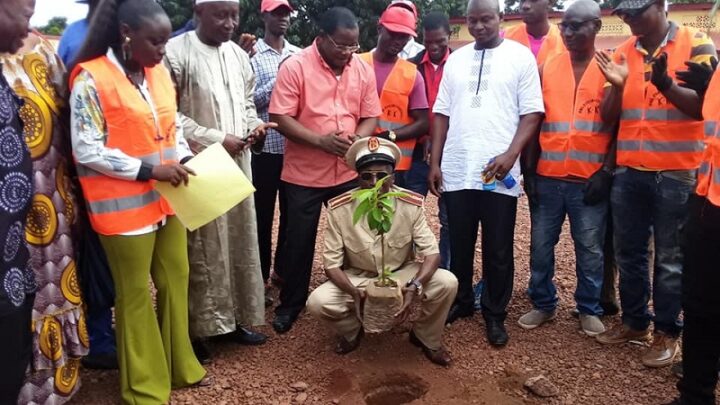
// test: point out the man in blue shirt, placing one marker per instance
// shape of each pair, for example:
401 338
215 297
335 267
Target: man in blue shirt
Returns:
272 49
74 35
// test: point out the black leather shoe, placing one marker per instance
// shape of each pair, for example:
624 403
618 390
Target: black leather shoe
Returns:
458 311
202 351
105 361
283 323
245 336
496 334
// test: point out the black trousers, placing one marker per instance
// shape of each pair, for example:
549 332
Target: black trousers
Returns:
496 213
15 350
304 205
266 169
701 303
608 294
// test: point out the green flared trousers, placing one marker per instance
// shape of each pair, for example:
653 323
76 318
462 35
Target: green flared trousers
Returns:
154 350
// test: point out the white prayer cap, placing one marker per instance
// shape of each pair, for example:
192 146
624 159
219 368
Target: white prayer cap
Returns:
198 2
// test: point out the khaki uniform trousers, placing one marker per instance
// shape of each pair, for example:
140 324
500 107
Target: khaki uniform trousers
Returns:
336 308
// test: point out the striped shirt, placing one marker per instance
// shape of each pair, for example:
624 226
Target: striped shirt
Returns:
703 49
265 64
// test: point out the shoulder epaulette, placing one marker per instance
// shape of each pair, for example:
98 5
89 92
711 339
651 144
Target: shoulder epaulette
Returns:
342 199
412 198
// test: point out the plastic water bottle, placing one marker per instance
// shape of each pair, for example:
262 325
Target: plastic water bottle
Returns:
509 181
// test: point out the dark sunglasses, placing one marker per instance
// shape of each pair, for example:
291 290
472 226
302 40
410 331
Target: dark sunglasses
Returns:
379 175
633 12
574 26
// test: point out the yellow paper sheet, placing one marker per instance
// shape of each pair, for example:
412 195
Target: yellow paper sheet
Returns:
218 185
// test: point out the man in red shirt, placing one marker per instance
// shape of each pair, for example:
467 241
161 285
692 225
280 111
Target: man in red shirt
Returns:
324 98
431 63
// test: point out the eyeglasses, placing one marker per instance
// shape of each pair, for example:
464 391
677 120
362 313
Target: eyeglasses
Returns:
344 48
633 13
377 175
574 26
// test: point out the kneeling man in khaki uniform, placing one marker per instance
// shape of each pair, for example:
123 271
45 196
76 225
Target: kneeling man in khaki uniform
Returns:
352 259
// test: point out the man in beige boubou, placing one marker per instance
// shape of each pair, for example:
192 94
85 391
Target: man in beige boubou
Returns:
352 259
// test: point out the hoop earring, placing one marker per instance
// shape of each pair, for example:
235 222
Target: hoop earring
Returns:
126 50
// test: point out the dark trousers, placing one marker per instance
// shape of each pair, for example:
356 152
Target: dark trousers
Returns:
304 205
496 212
266 168
701 303
608 295
15 350
645 203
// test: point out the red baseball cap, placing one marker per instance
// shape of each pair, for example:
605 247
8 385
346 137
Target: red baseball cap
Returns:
271 5
404 3
399 19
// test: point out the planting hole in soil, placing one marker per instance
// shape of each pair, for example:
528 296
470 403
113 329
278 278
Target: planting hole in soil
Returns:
393 389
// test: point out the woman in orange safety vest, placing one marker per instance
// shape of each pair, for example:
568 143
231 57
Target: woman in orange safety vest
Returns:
125 138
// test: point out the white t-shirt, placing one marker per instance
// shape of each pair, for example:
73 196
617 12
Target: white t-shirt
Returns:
484 118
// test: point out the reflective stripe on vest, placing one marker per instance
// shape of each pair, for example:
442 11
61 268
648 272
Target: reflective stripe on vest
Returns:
124 203
573 139
395 101
653 133
574 155
711 128
587 126
117 206
661 146
655 115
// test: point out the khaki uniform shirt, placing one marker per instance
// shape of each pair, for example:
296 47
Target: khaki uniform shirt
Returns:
356 247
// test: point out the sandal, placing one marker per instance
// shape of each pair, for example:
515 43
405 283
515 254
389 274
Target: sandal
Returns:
206 381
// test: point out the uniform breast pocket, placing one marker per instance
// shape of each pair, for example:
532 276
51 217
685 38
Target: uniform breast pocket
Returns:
400 242
357 246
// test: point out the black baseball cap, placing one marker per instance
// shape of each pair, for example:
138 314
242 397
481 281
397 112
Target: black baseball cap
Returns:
632 6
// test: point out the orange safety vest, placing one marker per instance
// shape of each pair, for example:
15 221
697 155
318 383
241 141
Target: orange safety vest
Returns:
551 46
653 133
709 173
395 99
117 206
573 138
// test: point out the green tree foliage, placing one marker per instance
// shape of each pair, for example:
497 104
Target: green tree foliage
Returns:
55 26
179 11
378 209
304 27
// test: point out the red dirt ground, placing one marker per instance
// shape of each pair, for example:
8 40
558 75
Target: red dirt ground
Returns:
387 370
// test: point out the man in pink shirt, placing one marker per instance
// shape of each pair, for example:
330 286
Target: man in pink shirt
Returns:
324 98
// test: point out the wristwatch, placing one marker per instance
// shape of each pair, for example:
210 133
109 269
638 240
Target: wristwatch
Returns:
418 286
392 136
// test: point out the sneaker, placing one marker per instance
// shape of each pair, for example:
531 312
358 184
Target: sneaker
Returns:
622 334
662 352
535 318
591 325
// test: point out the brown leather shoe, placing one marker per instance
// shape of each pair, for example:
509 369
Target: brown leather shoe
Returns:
345 346
440 356
662 352
622 334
